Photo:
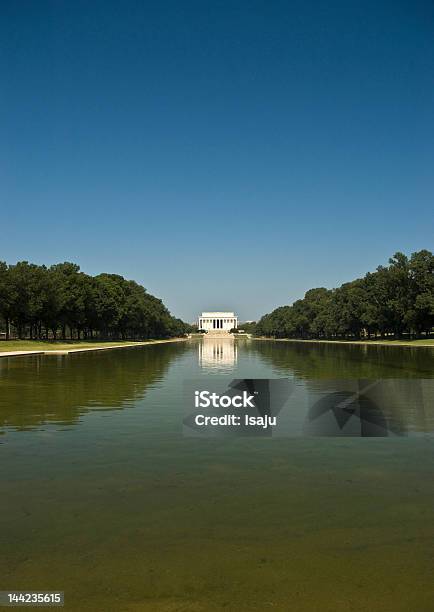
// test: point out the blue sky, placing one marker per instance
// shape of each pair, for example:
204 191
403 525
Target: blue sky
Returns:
227 155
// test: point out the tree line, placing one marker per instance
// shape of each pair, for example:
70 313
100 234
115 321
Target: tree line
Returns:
40 302
396 299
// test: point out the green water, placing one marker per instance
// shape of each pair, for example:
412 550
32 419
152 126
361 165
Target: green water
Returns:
103 498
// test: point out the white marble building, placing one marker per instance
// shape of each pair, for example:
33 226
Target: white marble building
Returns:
218 320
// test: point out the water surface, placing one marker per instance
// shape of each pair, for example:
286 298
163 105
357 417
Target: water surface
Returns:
102 497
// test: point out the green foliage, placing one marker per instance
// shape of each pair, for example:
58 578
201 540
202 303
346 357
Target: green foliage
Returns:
396 299
40 302
249 328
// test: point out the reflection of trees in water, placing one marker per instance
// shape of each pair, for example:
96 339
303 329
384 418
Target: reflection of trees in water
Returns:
59 389
316 360
406 396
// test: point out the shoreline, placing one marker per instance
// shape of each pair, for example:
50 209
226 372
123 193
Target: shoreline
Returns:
84 349
396 343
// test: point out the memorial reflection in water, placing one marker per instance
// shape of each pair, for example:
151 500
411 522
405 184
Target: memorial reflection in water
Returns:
217 353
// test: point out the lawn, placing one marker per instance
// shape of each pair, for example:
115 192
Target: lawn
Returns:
47 345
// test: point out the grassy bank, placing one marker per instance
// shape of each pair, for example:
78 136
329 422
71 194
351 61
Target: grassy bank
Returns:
429 342
47 345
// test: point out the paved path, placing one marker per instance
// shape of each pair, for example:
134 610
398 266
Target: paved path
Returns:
18 353
86 349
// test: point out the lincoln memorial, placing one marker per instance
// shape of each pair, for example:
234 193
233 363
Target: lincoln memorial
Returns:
218 320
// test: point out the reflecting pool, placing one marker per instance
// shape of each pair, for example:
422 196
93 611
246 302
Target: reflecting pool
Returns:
102 497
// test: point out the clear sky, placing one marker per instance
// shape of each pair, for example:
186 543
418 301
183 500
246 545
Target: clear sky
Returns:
225 154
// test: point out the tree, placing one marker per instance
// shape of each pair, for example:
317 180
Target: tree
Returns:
421 270
38 301
397 299
8 296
